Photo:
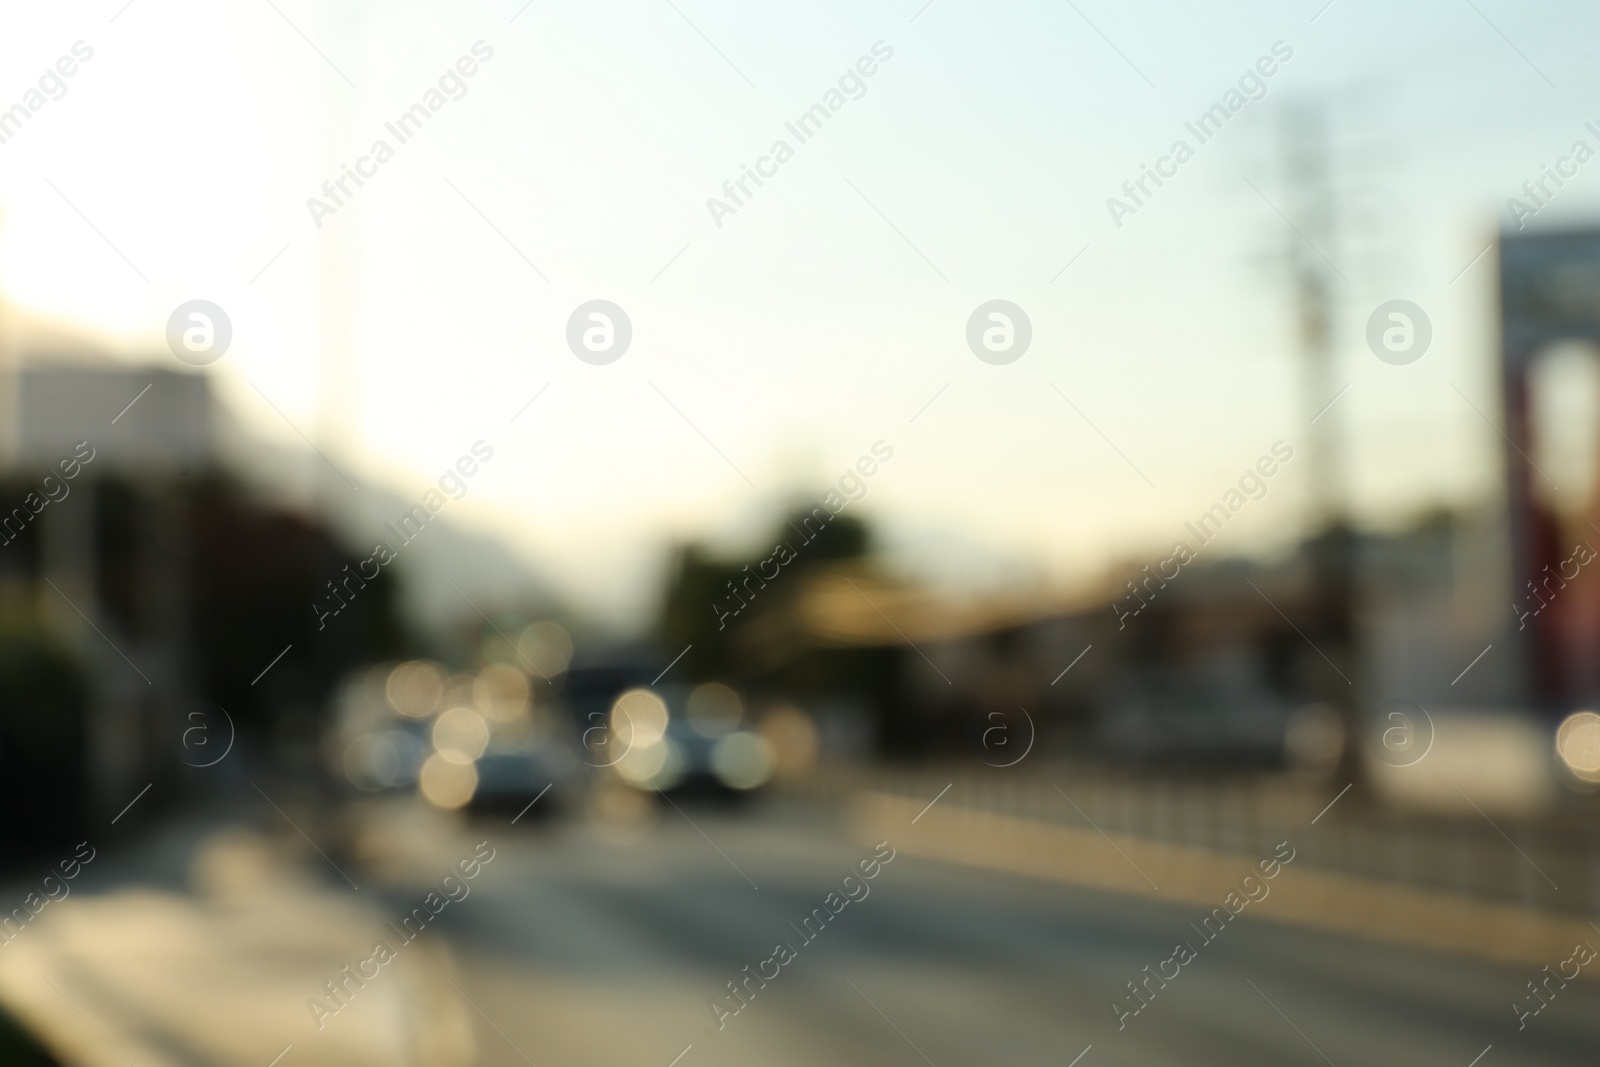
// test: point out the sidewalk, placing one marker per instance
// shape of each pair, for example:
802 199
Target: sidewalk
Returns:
150 974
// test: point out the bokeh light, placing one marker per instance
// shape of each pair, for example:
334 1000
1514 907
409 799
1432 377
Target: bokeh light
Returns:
654 766
460 735
714 710
500 692
1578 744
447 784
742 760
547 646
414 689
638 718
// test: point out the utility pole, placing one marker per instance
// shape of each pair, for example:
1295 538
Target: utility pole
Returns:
1313 253
1312 212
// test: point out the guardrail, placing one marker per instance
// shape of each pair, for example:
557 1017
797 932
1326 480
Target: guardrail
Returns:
1550 863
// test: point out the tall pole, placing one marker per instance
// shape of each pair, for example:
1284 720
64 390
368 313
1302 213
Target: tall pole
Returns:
1311 206
1314 249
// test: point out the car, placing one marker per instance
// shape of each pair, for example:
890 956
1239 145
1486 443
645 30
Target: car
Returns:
511 782
688 741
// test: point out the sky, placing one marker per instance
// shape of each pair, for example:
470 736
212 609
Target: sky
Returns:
829 311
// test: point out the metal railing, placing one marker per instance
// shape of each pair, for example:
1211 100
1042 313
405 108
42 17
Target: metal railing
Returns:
1550 863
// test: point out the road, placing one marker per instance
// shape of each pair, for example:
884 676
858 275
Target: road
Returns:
576 949
587 941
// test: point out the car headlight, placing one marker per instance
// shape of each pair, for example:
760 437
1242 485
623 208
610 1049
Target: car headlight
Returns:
654 766
742 760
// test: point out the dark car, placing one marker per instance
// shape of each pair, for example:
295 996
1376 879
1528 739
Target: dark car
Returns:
509 782
700 749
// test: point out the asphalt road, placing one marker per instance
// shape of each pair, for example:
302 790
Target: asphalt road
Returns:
577 948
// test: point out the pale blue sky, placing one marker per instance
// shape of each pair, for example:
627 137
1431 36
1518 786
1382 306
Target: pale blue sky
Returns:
805 328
